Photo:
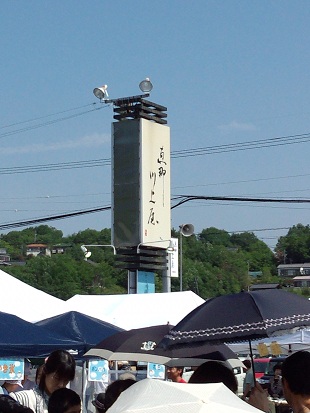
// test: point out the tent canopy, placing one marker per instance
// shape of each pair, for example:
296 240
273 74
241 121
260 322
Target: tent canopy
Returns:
79 327
27 302
296 341
130 311
19 338
126 311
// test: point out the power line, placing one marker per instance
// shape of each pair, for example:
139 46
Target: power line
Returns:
256 144
183 199
51 122
52 218
54 166
243 181
47 116
286 140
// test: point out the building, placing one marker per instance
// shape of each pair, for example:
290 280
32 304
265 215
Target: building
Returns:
266 286
4 257
38 249
60 248
302 281
293 270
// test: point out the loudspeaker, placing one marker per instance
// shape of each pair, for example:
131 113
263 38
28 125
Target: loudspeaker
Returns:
187 230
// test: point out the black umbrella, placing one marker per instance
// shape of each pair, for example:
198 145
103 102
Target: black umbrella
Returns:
239 317
137 344
243 316
197 354
141 345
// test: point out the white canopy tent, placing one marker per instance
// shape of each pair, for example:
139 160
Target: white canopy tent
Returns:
123 310
289 343
26 302
137 310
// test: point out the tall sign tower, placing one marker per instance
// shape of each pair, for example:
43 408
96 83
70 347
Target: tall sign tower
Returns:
141 214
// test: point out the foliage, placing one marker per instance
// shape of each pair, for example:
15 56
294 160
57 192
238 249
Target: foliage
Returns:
295 246
215 236
214 262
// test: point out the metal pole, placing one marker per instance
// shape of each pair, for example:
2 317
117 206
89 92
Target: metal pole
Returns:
132 282
84 385
166 281
181 262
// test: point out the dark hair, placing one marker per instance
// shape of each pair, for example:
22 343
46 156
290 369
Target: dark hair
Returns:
296 372
9 405
39 372
99 402
247 363
115 389
178 368
60 362
277 367
62 399
215 372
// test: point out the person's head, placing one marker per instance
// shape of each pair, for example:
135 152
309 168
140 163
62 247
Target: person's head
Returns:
58 371
12 386
174 373
64 401
27 369
215 372
247 364
277 369
114 390
99 403
9 405
296 375
128 375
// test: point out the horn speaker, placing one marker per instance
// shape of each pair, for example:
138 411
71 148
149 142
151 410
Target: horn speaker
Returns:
187 230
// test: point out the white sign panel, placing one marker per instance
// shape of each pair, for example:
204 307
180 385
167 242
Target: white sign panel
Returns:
173 259
155 371
141 184
155 184
98 370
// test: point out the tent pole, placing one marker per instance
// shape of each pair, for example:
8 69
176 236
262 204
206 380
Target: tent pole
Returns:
84 385
252 362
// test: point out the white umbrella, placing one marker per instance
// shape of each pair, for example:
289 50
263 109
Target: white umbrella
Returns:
156 396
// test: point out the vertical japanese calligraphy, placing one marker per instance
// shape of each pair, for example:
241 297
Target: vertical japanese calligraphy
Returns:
141 183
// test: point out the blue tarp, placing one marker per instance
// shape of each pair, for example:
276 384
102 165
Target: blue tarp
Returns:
86 330
19 338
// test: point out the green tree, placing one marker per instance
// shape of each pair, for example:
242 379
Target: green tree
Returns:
42 234
215 236
296 244
214 263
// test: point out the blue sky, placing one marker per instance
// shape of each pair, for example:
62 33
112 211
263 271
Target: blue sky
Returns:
228 72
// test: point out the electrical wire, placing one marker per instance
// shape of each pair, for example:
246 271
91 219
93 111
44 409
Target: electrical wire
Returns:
52 218
47 116
232 147
183 199
54 166
51 122
174 154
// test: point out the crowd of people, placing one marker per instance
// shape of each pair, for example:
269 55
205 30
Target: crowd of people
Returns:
50 392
